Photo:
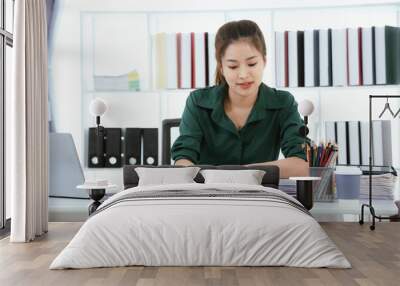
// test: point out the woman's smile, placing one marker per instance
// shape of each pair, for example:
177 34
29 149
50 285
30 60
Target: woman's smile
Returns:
245 85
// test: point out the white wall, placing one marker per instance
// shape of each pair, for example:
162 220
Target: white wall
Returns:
66 73
101 36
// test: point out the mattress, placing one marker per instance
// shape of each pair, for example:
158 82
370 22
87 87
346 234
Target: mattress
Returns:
201 225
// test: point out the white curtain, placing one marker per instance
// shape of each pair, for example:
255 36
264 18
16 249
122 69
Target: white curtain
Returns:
27 123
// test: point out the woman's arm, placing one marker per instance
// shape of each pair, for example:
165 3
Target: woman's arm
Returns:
289 167
183 162
186 148
292 141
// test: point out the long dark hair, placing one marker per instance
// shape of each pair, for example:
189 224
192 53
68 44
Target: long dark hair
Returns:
234 31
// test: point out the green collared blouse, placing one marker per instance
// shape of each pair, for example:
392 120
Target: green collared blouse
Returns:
208 136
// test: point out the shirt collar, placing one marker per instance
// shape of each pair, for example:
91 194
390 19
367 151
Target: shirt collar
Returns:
267 98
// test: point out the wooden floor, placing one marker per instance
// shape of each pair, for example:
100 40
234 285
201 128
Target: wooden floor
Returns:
374 255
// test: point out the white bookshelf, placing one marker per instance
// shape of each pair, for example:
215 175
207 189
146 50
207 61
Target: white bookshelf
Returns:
113 42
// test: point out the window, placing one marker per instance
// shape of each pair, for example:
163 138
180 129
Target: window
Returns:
6 43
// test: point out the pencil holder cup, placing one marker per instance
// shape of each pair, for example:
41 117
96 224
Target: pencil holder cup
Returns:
324 189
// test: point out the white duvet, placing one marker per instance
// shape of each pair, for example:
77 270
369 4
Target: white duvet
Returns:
200 231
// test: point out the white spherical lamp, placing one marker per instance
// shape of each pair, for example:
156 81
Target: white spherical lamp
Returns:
97 107
306 107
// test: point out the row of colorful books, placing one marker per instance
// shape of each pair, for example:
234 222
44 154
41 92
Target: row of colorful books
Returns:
184 60
338 57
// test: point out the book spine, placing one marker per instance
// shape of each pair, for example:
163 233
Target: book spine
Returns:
193 59
286 58
206 55
179 58
300 58
347 143
330 80
212 63
392 47
316 58
360 69
347 56
373 56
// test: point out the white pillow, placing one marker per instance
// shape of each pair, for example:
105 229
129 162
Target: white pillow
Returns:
248 177
165 176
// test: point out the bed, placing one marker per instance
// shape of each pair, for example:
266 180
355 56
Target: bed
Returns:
201 224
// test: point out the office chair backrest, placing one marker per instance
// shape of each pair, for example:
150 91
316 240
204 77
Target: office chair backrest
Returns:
167 125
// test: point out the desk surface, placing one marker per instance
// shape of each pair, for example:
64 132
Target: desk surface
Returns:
305 178
95 187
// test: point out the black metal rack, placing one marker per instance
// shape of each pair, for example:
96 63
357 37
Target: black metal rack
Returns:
370 206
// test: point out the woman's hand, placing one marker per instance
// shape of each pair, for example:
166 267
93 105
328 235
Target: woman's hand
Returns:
289 167
183 162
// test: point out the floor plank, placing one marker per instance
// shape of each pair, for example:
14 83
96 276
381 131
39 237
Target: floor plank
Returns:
374 255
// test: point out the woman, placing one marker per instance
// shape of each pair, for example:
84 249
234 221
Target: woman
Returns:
241 121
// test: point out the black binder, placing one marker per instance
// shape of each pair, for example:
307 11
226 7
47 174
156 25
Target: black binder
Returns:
113 148
96 148
150 146
133 146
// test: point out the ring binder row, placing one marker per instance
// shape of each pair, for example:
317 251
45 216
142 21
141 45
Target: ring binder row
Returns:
338 57
137 146
352 138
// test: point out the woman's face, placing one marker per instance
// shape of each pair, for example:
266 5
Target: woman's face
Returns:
243 66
